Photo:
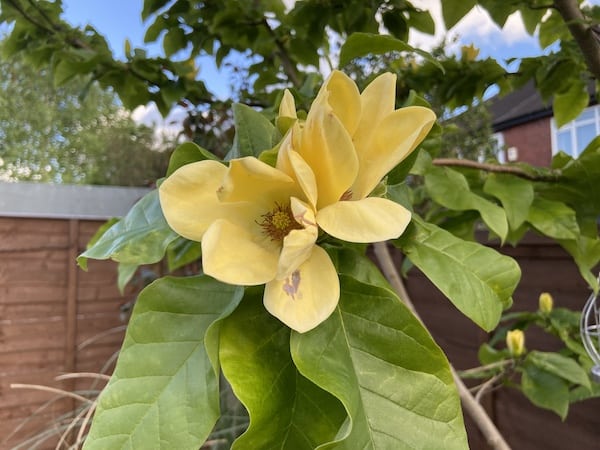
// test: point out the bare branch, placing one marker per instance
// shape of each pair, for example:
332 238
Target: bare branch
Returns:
497 168
582 32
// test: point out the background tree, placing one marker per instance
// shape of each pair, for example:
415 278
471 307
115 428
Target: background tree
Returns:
56 134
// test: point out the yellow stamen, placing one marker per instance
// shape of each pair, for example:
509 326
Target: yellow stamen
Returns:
278 222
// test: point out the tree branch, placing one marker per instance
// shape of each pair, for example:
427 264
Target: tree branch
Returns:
582 33
497 168
474 409
288 66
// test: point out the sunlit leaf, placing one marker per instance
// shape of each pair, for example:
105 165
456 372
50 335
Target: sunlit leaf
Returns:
391 377
164 392
287 411
553 219
560 366
141 237
515 194
450 189
478 280
546 390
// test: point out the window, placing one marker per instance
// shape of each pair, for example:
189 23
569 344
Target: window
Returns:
573 137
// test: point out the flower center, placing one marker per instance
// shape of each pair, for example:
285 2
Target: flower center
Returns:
278 222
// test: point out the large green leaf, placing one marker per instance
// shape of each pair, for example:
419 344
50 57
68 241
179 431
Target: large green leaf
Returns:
586 254
141 237
478 280
546 390
363 44
553 219
287 411
164 393
515 194
253 133
561 366
450 189
391 377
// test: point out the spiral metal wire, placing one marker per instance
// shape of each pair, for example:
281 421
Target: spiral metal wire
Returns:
590 332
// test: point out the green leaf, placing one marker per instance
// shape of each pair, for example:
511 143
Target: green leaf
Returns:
569 104
546 390
450 189
287 411
380 362
560 366
126 273
187 153
586 253
478 280
515 194
422 21
183 252
141 237
164 393
363 44
454 10
253 133
553 219
174 41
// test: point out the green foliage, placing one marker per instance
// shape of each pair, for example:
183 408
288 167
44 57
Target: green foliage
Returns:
370 376
477 280
172 338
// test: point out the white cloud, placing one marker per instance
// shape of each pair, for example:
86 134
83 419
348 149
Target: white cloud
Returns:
164 128
476 27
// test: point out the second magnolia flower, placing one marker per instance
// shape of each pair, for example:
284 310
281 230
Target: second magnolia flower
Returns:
259 224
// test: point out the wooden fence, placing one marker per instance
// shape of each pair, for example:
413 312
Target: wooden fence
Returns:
56 318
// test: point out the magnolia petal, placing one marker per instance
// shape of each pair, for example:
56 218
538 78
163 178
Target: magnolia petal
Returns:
234 255
394 139
308 296
328 149
342 95
287 107
372 219
377 101
298 244
189 200
251 180
304 176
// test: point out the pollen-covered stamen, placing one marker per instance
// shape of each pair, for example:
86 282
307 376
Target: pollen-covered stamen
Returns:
278 222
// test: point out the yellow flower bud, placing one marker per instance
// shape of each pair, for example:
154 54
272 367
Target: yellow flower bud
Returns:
515 341
546 302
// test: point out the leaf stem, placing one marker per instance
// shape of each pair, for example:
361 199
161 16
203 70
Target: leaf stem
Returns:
493 437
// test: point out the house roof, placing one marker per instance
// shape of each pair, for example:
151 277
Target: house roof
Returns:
523 105
520 106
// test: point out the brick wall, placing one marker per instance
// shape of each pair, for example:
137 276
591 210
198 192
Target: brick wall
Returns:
532 141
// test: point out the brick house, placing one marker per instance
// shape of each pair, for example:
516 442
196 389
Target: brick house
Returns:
525 129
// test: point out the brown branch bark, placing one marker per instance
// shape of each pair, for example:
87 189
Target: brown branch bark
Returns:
582 32
496 168
470 405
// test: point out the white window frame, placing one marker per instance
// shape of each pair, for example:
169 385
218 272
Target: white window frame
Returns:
571 127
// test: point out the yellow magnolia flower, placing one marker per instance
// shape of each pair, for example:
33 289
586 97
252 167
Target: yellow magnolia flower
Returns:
351 141
256 225
546 303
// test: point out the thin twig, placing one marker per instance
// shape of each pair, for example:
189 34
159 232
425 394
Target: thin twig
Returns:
66 376
483 388
474 409
496 168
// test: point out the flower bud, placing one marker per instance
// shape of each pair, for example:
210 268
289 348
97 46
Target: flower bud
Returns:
546 303
515 341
